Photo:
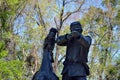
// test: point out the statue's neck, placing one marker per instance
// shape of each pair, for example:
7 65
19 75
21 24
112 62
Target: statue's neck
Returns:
46 63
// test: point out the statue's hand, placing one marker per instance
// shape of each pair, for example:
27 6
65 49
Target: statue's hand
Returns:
75 34
69 36
51 35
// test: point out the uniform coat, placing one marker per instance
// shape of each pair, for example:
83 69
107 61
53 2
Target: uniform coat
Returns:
76 55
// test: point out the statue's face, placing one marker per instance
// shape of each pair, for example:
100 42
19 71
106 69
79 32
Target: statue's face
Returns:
76 28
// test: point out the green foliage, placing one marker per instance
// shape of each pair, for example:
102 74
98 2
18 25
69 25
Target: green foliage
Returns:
65 30
4 16
3 52
95 20
112 2
98 22
112 71
12 2
11 70
2 45
7 35
7 11
118 15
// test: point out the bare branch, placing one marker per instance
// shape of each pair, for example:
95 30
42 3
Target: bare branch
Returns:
102 37
77 10
61 14
41 18
70 1
35 20
55 22
115 53
19 12
61 59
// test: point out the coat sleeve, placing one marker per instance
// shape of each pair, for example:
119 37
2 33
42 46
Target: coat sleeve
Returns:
62 40
85 40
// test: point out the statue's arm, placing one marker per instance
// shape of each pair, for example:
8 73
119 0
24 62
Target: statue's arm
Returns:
45 44
85 40
49 43
62 40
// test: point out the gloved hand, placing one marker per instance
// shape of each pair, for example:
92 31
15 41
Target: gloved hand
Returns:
69 36
76 34
52 32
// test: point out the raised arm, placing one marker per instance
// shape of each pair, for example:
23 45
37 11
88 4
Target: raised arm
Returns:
62 40
85 40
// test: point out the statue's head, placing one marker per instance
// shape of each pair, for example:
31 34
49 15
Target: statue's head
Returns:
53 32
76 26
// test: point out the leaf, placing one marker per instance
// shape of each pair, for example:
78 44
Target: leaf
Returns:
3 53
2 45
12 70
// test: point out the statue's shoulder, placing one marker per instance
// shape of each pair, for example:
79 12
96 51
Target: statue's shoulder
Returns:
88 38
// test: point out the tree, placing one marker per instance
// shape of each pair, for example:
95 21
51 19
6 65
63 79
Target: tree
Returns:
9 12
25 23
101 27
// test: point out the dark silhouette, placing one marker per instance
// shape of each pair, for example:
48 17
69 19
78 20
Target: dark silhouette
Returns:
49 42
75 64
46 70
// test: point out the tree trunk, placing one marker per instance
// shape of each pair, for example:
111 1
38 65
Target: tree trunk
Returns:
56 57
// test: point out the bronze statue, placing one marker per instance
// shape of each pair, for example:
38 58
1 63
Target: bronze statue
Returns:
46 70
75 64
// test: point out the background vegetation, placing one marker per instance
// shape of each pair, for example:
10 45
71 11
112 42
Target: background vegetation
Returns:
25 23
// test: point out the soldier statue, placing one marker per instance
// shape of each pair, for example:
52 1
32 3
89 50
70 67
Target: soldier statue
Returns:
75 64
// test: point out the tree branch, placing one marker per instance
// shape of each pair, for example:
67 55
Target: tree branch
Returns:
18 13
55 23
115 53
61 15
61 59
70 1
41 18
77 10
102 37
